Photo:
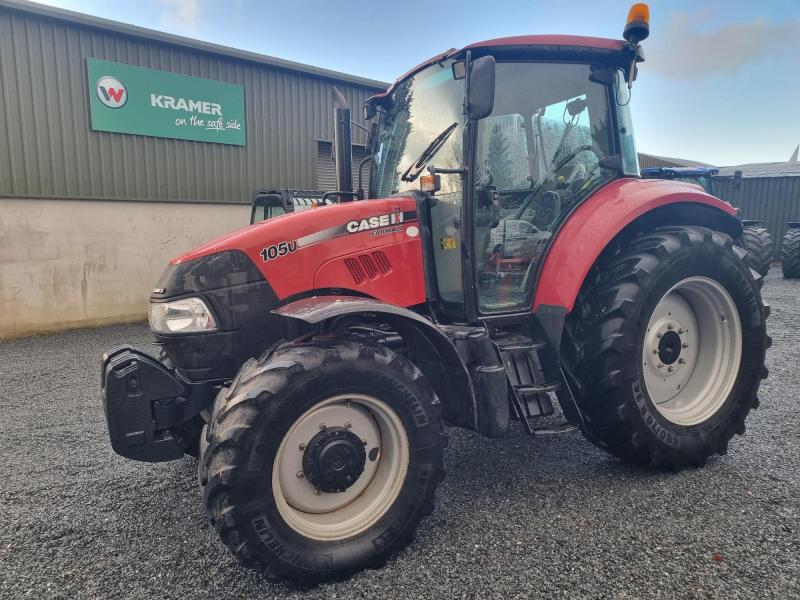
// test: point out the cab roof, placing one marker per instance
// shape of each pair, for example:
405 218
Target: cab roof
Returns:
518 41
552 40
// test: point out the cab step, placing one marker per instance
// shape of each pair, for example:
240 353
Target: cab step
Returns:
529 389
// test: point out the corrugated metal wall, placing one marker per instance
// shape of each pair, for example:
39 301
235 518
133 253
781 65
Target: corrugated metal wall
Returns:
647 161
326 167
47 148
774 200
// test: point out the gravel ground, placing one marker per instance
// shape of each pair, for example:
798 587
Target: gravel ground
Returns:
519 517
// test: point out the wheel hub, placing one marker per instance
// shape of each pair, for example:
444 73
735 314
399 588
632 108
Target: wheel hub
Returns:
353 436
670 345
669 348
691 350
334 459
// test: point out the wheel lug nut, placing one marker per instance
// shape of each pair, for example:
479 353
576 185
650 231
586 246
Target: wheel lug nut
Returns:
658 335
684 345
681 361
669 326
300 474
670 369
317 492
655 350
660 365
363 442
348 425
302 446
322 426
680 331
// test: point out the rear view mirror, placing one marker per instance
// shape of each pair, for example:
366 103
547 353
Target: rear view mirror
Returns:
480 88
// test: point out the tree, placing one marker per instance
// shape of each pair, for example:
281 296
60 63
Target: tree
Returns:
498 157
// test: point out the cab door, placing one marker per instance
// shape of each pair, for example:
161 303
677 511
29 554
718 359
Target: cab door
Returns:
541 150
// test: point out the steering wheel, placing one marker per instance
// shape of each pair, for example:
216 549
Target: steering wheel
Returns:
553 168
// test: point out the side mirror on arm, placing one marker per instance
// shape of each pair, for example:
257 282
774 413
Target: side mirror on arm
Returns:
480 88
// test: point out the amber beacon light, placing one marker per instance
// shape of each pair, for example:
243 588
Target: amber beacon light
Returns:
637 28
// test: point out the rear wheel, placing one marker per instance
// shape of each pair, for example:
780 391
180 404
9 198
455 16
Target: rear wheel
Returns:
322 458
667 346
790 254
758 243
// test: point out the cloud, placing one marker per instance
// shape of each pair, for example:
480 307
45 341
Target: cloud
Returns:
684 51
183 14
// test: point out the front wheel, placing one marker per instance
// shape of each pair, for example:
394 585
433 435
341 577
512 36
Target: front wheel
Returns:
667 347
322 458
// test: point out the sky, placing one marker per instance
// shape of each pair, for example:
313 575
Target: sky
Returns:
721 81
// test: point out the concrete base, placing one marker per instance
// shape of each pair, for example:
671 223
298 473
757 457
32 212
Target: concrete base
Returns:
83 263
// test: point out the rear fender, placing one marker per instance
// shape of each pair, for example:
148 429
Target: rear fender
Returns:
434 353
624 206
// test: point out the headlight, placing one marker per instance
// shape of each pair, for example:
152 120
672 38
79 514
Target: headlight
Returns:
187 315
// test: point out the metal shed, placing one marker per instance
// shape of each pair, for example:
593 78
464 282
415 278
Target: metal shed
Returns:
769 192
49 150
90 214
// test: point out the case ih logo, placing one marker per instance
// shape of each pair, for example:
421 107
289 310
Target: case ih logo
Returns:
111 92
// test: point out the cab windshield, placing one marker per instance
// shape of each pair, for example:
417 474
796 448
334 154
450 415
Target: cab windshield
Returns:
421 108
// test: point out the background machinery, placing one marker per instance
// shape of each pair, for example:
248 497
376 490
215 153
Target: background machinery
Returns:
755 237
790 251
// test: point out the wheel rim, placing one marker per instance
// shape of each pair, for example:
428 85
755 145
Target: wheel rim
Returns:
692 350
321 451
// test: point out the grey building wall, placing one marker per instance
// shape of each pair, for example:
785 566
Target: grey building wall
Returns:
774 200
652 160
48 150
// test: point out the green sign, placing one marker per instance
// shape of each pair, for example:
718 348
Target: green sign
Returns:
128 99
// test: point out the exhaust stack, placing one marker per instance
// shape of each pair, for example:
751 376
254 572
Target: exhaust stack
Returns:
342 146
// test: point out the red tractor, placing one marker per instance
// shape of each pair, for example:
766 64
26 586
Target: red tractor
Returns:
310 360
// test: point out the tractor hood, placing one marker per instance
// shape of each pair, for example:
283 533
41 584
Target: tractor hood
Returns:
370 247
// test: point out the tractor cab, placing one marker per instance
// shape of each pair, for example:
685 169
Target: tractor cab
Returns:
496 178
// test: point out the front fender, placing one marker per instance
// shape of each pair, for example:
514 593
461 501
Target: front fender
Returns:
620 204
433 351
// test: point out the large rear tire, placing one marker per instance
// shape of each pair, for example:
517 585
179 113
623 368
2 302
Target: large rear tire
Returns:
666 347
790 254
758 243
322 458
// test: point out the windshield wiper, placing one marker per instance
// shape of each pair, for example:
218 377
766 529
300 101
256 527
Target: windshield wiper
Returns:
419 165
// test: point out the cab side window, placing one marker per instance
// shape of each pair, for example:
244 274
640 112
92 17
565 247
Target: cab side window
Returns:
540 151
